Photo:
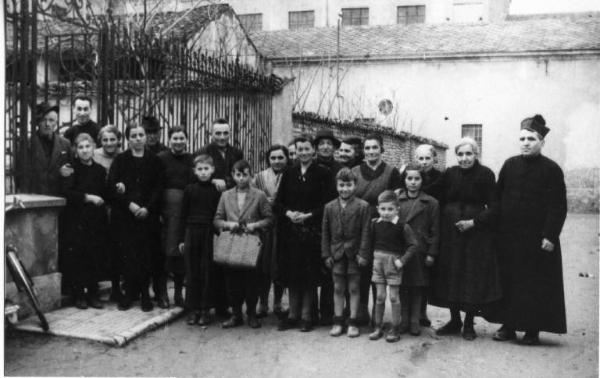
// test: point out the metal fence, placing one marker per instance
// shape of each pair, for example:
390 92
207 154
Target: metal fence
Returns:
129 75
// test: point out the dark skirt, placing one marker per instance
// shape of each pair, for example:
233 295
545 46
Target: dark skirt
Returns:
84 248
416 274
466 272
198 256
302 256
139 244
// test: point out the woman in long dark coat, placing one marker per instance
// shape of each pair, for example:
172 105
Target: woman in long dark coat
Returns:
304 190
135 181
466 274
85 226
268 181
177 165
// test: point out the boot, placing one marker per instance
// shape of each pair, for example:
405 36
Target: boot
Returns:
146 302
115 291
178 295
378 310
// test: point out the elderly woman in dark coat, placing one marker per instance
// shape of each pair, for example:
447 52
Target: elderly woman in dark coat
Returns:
135 181
85 225
304 190
467 275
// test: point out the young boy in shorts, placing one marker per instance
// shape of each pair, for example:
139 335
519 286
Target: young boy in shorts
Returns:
345 246
393 244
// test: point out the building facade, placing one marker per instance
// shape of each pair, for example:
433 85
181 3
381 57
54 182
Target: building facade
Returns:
448 81
294 14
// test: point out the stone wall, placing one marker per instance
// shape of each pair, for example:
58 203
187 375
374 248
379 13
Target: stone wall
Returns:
398 146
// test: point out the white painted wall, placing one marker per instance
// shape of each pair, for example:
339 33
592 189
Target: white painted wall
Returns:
381 12
497 94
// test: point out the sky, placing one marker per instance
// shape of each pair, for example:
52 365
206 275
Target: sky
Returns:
553 6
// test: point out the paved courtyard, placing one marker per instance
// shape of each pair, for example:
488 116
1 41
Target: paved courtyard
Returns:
181 350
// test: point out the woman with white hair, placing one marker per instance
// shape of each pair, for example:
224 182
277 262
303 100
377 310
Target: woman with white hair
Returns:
466 269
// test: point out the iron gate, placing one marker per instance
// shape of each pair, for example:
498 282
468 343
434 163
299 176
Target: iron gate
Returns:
130 74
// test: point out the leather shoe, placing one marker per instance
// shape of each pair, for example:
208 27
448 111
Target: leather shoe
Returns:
531 338
253 322
162 303
193 318
124 304
94 302
81 304
287 323
504 334
425 322
468 333
450 328
204 319
234 321
147 305
415 329
305 326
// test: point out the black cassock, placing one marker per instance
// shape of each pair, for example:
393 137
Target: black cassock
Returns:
533 206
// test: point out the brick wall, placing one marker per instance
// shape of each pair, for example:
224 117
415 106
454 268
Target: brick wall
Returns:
398 147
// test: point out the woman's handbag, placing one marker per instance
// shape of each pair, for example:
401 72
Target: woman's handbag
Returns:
237 249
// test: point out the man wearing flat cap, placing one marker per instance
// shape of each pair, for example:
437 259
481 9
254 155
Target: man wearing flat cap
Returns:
152 128
533 208
49 152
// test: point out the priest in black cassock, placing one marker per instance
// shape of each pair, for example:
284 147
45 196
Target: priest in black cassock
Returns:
533 208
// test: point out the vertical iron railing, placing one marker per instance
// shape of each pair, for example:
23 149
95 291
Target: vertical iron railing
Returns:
129 74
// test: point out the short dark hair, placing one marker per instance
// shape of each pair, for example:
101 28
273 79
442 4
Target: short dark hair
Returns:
345 174
377 137
410 167
303 139
387 196
241 166
220 121
277 147
130 126
83 97
177 129
83 136
204 159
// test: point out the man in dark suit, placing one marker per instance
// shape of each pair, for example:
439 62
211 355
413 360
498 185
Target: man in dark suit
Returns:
82 109
223 153
533 208
50 153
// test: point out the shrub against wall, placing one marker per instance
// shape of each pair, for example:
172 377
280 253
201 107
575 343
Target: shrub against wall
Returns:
398 147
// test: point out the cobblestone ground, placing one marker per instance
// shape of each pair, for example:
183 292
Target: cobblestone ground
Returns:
182 350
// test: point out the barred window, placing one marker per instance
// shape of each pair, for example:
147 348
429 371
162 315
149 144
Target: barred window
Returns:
355 16
301 19
252 21
413 14
473 131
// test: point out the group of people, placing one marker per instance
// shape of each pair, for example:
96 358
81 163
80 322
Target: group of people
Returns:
338 225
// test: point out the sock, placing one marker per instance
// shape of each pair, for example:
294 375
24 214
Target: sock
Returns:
396 314
379 308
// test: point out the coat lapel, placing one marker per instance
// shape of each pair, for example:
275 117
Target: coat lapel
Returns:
418 206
